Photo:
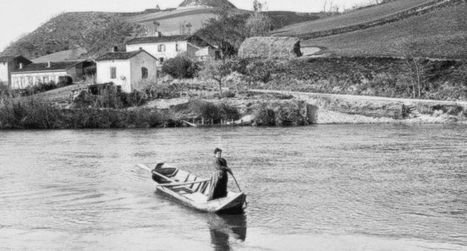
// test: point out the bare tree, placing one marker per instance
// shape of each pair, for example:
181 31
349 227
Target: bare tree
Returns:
216 70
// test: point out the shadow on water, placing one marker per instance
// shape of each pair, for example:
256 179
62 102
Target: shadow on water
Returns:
226 229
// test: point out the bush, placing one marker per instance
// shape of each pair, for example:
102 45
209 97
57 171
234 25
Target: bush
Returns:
265 117
180 67
30 114
228 94
135 98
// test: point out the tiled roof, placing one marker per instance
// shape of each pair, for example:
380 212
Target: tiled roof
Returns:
118 55
6 58
163 39
43 66
11 58
62 56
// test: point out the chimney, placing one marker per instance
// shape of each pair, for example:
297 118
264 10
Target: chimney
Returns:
115 49
49 64
20 66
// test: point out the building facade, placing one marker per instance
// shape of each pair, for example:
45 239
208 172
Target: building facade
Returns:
9 64
129 70
39 73
167 47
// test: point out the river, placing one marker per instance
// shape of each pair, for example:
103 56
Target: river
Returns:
329 187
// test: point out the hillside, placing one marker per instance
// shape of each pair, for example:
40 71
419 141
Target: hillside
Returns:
93 31
439 34
97 32
210 3
362 18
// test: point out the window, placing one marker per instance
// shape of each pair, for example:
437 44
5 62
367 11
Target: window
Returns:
144 73
177 47
161 48
113 72
161 60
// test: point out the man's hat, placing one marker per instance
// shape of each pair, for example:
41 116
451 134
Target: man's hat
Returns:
217 150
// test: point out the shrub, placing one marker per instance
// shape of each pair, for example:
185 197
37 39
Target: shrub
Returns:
229 112
30 114
180 67
228 94
135 98
265 117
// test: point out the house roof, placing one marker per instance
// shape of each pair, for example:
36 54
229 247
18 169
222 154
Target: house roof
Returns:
151 40
11 58
62 56
54 66
121 55
7 58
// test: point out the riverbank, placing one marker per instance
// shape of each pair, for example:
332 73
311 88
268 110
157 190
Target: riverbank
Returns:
353 109
252 108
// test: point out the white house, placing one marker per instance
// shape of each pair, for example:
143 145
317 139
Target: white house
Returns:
9 64
36 73
166 47
130 70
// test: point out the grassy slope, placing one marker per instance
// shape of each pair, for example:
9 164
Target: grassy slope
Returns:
60 33
79 29
351 18
439 34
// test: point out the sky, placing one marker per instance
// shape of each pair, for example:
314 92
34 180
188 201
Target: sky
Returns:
19 17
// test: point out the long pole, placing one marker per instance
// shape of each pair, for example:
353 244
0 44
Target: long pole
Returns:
233 176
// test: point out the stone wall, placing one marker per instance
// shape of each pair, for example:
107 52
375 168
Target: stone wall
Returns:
334 108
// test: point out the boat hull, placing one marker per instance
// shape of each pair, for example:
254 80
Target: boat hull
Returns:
191 191
227 205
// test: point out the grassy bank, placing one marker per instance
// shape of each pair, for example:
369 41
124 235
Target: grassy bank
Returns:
372 76
37 114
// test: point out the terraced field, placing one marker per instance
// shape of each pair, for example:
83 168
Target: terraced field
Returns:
353 18
439 34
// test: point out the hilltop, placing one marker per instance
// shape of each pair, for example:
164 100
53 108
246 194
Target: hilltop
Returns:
361 18
440 34
97 32
423 28
93 31
209 3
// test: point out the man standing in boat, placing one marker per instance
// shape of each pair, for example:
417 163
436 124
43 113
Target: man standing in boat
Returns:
220 178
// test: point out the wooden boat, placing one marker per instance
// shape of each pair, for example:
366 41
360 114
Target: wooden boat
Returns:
193 191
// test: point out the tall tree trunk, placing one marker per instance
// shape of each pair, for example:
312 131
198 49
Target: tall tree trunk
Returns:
417 70
220 87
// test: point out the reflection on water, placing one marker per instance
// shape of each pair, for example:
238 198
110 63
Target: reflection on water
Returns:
363 187
226 228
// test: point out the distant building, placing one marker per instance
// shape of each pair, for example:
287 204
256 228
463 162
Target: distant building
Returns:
75 54
129 70
182 21
33 74
9 64
189 17
270 47
166 47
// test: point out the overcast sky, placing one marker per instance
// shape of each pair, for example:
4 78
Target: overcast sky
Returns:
18 17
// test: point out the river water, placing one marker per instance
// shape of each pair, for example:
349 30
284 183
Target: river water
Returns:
330 187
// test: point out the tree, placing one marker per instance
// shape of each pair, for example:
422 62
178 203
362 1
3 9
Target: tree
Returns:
257 6
227 32
216 70
180 67
101 39
258 25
